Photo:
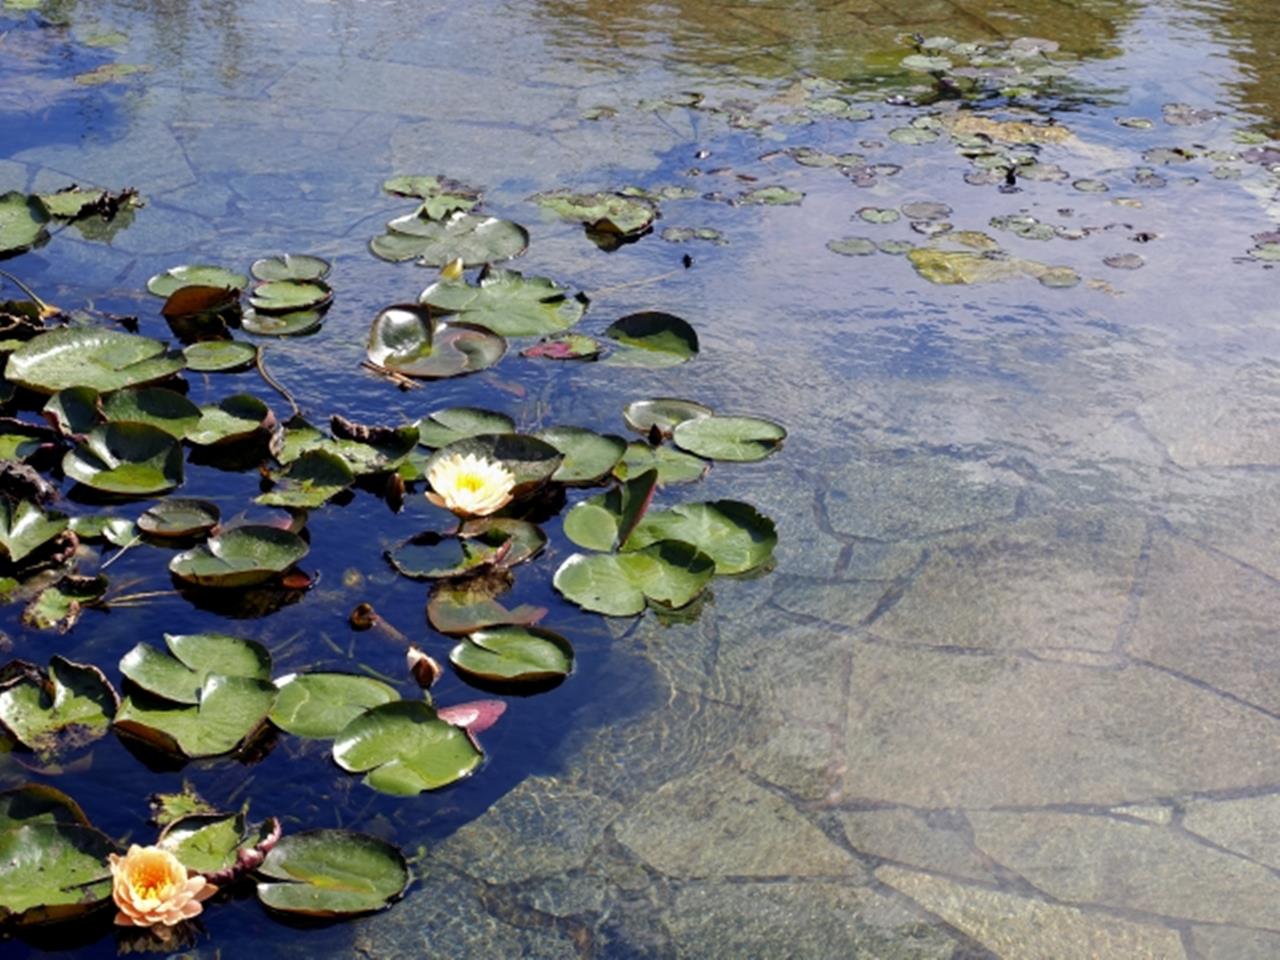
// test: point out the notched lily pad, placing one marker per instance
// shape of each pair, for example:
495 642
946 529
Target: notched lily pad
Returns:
290 266
741 439
606 521
407 339
22 223
507 302
332 873
565 346
652 339
319 705
403 748
673 466
25 528
463 606
179 675
239 557
230 420
219 356
51 871
662 414
195 275
290 296
588 456
609 213
443 427
668 573
59 605
128 459
488 542
440 196
166 410
294 324
309 481
178 518
513 655
230 709
734 534
474 240
89 357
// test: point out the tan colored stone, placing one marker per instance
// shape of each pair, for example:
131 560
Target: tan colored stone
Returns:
1248 825
916 840
1233 943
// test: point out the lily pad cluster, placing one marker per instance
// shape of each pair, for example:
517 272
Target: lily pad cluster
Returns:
25 219
445 227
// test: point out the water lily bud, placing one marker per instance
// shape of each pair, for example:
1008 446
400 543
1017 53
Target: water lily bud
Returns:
422 667
452 270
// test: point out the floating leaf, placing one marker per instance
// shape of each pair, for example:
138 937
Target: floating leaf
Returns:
207 842
673 466
741 439
73 202
130 459
231 420
294 324
605 521
385 449
239 557
101 526
663 413
163 409
461 607
772 196
38 803
201 307
195 275
852 246
483 542
565 346
507 302
405 749
319 705
22 220
219 356
531 461
89 357
177 518
440 196
52 871
472 239
588 456
611 213
332 873
289 296
179 674
230 709
25 528
62 709
669 573
879 214
654 340
309 481
406 338
513 655
290 266
443 427
58 607
733 534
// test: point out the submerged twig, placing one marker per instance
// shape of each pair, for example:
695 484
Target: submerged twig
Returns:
637 283
124 548
131 598
46 310
273 383
399 379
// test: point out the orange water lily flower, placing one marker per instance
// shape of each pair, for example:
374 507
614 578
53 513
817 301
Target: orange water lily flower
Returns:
152 888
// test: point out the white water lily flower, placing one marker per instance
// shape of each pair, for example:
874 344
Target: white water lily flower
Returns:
152 888
470 486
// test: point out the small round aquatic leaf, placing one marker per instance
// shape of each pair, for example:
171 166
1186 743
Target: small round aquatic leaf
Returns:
588 456
230 709
673 466
290 266
332 873
741 439
67 707
231 419
605 212
288 296
216 356
507 302
443 427
664 413
195 275
239 557
309 481
733 534
52 871
669 573
474 240
179 675
319 705
89 357
179 517
22 220
852 246
926 210
294 324
405 749
655 340
25 528
513 654
772 197
130 459
164 409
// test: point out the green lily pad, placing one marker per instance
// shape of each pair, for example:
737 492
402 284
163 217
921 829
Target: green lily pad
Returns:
294 324
52 871
733 534
507 302
195 275
54 711
664 413
588 456
474 240
772 197
309 481
741 439
654 340
565 346
239 557
440 196
58 606
479 543
443 427
332 873
164 409
102 526
25 528
230 709
407 339
38 803
668 573
89 357
606 521
231 420
852 246
513 655
673 466
177 518
208 842
385 449
611 213
405 749
219 356
319 705
462 607
22 223
130 459
531 461
289 296
192 658
290 266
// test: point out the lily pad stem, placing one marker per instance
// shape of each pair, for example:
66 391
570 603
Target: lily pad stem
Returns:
273 383
131 598
637 283
46 310
399 379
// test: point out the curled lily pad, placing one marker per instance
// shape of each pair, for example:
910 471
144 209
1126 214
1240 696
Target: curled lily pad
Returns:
443 427
663 413
294 324
588 456
195 275
673 466
606 521
176 518
332 873
531 461
201 307
461 607
38 803
309 481
461 236
407 339
25 528
733 534
383 449
230 420
102 526
218 845
290 266
51 870
440 196
669 573
239 557
611 213
403 748
164 409
319 705
22 223
289 296
513 655
218 356
179 675
131 459
229 710
653 339
507 302
741 439
63 708
58 606
492 541
89 357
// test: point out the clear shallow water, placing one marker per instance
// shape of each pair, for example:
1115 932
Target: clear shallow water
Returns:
1010 690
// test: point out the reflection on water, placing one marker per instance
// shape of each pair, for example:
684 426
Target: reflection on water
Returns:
1011 690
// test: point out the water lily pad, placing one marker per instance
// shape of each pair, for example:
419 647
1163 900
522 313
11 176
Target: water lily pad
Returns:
89 357
319 705
405 749
513 655
74 411
229 710
673 466
462 607
194 311
606 521
38 803
588 456
309 481
179 675
289 296
176 518
70 203
772 197
443 427
239 557
611 213
50 712
662 413
742 439
294 324
208 842
733 534
195 275
474 240
102 526
668 573
565 346
218 356
52 871
852 246
507 302
58 606
22 223
164 409
483 542
653 339
130 459
531 461
440 196
290 266
407 339
25 528
231 420
332 873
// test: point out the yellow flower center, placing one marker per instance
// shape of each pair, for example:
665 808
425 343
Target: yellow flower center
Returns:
153 877
471 482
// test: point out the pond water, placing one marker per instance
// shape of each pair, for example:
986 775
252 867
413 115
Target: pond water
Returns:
1012 688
